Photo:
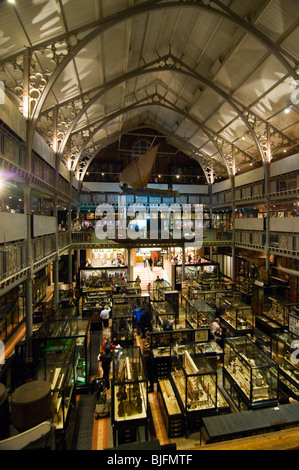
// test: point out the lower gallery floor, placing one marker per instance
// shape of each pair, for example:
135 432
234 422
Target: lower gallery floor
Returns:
85 432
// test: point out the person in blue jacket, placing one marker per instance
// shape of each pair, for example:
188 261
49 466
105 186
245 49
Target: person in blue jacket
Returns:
139 318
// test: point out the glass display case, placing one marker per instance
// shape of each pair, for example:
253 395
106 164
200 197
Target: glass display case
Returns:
294 321
209 348
162 310
170 409
212 297
133 288
122 324
159 289
129 392
279 309
198 314
237 317
161 339
103 277
205 272
194 380
93 302
249 375
57 368
266 325
58 332
260 293
284 350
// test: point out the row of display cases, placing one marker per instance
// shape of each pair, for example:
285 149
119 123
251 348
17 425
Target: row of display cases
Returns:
103 277
190 391
61 353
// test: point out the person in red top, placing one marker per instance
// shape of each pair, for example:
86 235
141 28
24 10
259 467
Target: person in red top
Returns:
107 345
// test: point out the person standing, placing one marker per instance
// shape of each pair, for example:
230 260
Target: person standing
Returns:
138 316
150 262
107 345
105 360
144 260
105 316
215 326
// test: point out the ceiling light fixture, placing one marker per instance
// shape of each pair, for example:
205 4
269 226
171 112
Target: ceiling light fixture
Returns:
287 110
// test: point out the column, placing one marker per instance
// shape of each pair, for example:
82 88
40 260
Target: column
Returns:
183 263
267 243
129 264
70 256
56 261
233 197
29 280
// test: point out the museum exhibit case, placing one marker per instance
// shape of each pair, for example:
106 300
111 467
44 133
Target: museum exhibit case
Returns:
172 416
249 375
160 342
210 348
194 379
205 273
260 292
93 302
129 395
103 277
214 295
122 324
133 288
279 309
284 350
198 314
162 310
56 332
294 321
57 367
238 317
159 289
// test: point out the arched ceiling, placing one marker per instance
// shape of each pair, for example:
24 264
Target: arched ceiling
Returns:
215 76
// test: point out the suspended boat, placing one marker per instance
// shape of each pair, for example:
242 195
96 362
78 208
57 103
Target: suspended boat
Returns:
136 175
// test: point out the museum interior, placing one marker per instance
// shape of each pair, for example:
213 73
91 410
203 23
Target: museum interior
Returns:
149 252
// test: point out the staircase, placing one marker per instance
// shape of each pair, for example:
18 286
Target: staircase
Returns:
146 275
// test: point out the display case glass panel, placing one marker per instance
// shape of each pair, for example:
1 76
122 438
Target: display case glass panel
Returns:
129 386
238 316
59 331
279 309
284 350
255 373
160 287
198 313
162 310
194 377
103 277
122 324
57 368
